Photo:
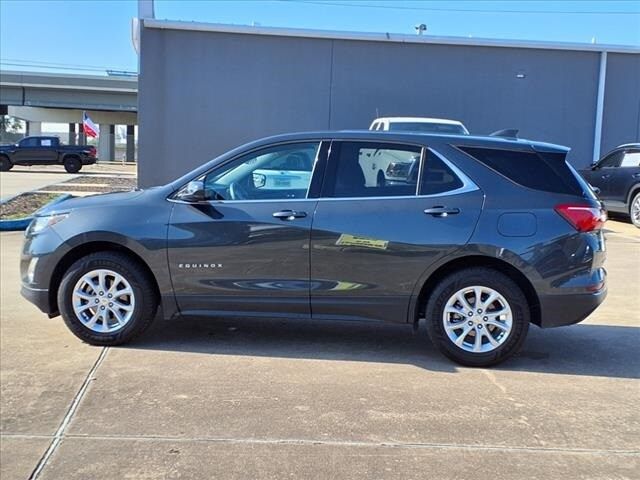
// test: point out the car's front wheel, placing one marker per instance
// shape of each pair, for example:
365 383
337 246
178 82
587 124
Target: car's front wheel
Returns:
107 299
634 210
478 317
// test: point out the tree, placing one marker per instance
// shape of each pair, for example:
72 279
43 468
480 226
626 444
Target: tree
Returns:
10 124
10 128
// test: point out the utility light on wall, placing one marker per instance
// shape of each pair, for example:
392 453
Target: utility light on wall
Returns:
520 75
421 28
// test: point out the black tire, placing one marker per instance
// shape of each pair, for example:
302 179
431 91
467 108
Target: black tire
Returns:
381 180
634 210
72 164
484 277
146 299
5 163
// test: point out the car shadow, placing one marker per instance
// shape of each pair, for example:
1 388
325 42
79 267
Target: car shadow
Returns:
589 350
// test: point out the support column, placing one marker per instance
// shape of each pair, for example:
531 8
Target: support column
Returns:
107 142
82 137
597 135
131 143
72 134
34 128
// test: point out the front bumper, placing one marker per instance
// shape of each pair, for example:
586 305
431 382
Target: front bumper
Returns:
560 310
39 297
40 255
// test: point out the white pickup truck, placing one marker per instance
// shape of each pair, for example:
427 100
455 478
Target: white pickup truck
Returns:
382 168
419 124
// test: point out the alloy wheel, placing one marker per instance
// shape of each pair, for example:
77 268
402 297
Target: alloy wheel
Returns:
477 319
635 211
103 301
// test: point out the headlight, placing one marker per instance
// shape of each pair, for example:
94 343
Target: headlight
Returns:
41 223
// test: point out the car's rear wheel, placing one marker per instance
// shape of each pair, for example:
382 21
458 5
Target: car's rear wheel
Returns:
72 164
634 210
478 317
5 163
107 299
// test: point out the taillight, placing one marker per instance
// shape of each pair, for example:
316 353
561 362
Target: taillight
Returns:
92 151
582 217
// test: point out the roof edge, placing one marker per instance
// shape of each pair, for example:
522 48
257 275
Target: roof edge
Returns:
384 37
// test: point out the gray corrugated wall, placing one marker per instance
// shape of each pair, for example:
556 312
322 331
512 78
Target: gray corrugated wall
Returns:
202 93
621 120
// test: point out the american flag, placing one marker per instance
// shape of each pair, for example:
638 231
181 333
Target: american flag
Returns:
90 128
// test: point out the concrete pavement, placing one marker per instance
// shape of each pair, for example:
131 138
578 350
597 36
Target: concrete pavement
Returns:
20 181
271 399
25 179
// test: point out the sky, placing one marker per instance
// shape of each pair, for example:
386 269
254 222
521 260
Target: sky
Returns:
92 36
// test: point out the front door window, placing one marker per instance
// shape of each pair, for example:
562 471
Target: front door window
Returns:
280 172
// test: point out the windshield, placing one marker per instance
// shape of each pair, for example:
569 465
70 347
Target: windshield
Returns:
428 127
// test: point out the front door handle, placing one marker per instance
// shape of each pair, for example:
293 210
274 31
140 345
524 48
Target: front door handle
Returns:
289 214
606 175
636 175
441 211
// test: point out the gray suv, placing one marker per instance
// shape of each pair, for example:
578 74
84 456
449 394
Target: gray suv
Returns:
487 236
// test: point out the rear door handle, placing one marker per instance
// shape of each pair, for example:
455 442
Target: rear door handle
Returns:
289 214
606 175
441 211
636 175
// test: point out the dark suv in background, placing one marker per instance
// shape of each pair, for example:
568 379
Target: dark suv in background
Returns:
489 235
617 178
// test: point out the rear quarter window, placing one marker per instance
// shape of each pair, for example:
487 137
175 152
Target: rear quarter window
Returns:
548 172
437 177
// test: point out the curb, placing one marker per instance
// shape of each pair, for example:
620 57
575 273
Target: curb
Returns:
23 223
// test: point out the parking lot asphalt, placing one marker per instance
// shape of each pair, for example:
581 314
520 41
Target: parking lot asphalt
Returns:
239 399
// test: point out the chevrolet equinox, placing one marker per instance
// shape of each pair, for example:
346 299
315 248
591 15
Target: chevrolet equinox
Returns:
484 236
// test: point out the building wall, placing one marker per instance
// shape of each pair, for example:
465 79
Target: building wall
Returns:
202 93
621 119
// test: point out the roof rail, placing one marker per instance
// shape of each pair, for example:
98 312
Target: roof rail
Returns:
507 132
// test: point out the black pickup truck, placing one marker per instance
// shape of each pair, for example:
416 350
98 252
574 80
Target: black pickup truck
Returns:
46 151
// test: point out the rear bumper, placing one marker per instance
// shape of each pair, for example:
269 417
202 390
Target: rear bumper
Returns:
89 160
559 310
39 297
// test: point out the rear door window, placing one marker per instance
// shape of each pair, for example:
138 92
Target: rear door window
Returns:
372 169
631 159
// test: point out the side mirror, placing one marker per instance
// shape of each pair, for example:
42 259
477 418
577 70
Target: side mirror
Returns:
259 180
193 192
596 190
594 166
